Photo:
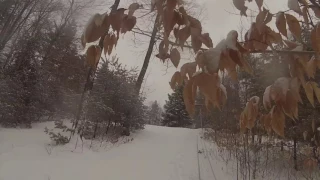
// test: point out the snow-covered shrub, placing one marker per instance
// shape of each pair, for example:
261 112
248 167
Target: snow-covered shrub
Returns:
59 138
114 102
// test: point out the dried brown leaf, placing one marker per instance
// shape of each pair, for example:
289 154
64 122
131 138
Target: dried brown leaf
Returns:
93 31
93 55
183 35
295 89
252 111
309 92
278 120
208 85
196 43
206 40
290 105
315 38
163 47
316 90
291 45
189 96
268 18
176 32
132 8
293 25
311 67
266 119
232 39
188 68
195 24
304 2
267 98
116 19
281 24
240 5
184 15
178 18
176 80
128 23
175 57
259 3
211 59
305 15
261 17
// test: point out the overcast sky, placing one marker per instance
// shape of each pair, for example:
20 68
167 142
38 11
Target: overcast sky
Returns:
220 17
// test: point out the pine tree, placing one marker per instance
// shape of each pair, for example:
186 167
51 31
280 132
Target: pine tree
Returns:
175 114
154 113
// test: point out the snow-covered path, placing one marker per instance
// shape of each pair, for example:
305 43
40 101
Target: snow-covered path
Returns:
156 153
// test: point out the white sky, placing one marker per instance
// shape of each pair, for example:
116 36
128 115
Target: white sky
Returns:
219 20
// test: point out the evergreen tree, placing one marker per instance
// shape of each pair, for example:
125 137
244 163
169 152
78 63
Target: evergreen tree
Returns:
175 114
154 114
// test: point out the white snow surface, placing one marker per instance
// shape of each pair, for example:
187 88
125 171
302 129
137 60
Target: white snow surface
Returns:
155 153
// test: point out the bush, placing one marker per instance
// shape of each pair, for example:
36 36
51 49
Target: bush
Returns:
58 138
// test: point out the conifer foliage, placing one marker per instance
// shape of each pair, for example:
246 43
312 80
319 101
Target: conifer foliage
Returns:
175 114
154 114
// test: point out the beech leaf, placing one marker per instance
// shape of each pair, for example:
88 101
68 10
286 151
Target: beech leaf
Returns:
196 43
128 23
240 5
231 40
281 23
188 68
93 55
95 28
315 38
175 57
259 3
176 79
278 120
311 67
305 15
266 119
212 59
316 90
206 40
295 89
183 35
132 8
266 98
189 96
293 25
309 92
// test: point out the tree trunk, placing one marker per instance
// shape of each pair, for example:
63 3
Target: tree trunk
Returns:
148 56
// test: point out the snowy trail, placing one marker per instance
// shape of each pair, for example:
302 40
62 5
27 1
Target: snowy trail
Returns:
156 153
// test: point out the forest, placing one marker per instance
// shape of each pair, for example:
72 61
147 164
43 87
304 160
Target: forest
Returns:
254 94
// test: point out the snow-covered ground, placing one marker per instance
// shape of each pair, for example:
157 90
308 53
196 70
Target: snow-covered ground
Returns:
157 153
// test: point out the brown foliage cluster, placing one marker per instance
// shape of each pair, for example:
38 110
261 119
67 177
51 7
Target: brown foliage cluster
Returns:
98 26
280 98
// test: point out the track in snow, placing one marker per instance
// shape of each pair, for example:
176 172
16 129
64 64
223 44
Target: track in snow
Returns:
156 153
